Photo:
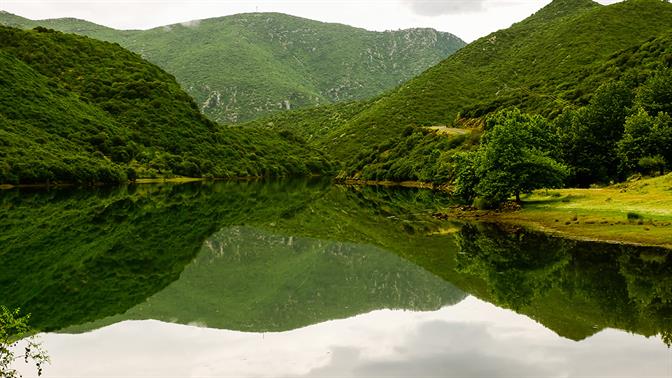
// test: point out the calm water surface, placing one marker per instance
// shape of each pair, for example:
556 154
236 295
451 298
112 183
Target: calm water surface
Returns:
300 278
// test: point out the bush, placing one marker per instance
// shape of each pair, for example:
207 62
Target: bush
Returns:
633 216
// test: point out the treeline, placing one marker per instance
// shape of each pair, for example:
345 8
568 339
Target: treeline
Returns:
79 110
624 129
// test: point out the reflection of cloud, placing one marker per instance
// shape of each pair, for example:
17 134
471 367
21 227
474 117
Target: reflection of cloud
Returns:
444 7
471 339
436 349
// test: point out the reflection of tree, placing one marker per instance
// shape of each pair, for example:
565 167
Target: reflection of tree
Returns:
607 285
648 276
519 266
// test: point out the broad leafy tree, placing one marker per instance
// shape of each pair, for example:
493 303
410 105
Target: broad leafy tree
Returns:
589 135
515 156
647 143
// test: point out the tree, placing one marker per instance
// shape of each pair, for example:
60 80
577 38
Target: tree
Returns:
14 328
647 142
589 135
515 156
655 95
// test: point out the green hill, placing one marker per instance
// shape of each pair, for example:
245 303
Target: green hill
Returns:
248 65
80 110
553 59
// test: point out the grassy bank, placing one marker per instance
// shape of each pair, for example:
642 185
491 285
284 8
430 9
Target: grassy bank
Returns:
635 212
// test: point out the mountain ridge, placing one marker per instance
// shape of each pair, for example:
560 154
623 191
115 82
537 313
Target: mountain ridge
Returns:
242 66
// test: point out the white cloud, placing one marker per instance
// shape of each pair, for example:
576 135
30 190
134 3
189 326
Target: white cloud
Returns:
444 7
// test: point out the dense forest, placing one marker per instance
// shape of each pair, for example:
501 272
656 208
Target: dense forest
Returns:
75 109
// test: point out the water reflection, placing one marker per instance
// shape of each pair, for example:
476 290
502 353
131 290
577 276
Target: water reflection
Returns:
253 280
470 339
288 257
573 287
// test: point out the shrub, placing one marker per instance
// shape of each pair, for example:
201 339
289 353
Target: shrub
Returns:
633 216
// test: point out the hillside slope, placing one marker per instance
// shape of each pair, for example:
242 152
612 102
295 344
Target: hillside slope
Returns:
244 66
553 59
79 110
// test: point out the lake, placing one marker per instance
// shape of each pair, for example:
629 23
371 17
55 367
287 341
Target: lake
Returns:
304 278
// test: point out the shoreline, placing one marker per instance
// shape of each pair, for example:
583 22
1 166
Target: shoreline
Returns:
601 214
637 212
519 219
175 180
394 184
143 181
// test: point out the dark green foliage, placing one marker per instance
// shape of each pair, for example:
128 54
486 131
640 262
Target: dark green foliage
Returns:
633 216
240 67
630 287
544 65
589 135
420 156
652 164
647 143
656 94
515 156
78 110
604 141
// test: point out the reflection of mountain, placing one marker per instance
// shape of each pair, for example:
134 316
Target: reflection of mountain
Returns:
573 288
251 280
294 253
71 256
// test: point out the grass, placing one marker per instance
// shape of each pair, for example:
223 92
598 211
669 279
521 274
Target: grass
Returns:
636 212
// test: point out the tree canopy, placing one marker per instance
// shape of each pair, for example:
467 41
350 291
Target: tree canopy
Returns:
516 156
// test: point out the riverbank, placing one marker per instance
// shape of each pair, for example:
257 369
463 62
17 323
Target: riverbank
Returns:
637 212
172 180
395 184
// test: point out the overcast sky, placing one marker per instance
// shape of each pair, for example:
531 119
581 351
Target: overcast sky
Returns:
468 19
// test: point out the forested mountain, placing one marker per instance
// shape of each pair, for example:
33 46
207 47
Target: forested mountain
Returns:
243 66
80 110
554 59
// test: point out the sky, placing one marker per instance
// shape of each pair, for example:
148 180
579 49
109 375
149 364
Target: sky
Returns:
468 19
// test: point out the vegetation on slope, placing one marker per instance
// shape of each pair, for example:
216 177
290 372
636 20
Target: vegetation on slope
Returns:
555 59
538 65
625 128
76 109
244 66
